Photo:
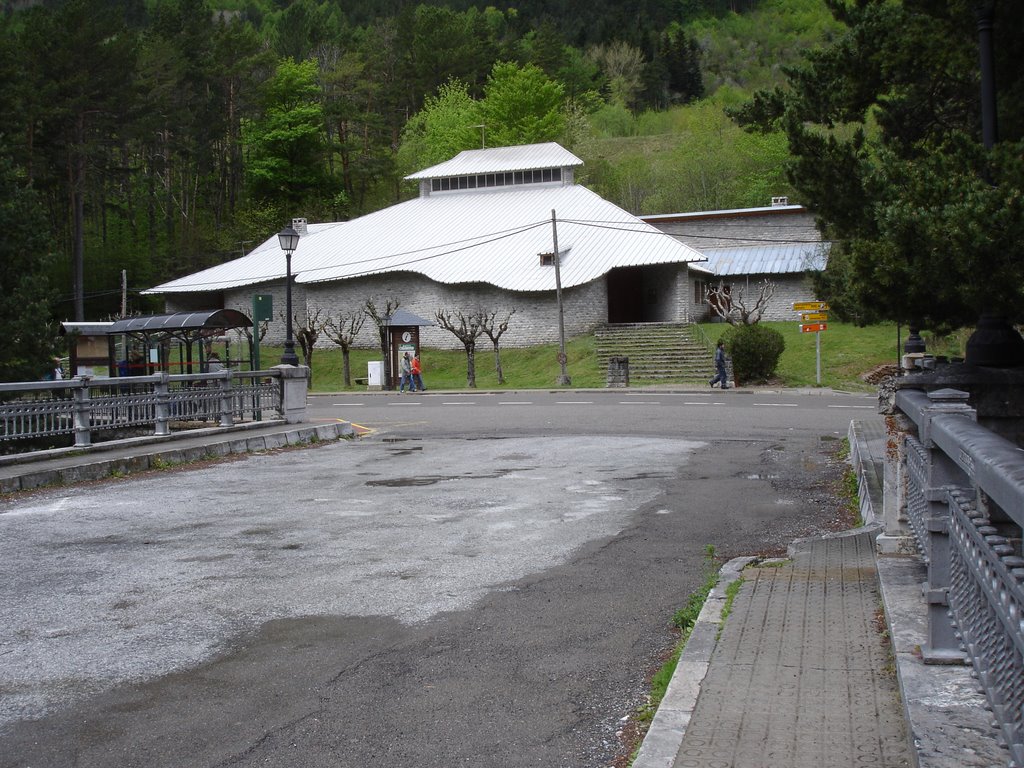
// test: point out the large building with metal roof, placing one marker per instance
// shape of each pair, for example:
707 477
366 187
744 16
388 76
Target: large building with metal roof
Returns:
479 237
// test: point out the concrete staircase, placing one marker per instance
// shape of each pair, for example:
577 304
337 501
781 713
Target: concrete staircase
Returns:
657 352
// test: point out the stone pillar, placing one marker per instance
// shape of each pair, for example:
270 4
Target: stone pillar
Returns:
943 645
162 410
82 413
896 537
294 380
227 415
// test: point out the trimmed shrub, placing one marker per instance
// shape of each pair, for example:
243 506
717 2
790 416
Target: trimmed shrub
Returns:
755 351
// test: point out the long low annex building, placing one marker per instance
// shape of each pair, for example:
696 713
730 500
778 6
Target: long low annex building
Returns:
479 238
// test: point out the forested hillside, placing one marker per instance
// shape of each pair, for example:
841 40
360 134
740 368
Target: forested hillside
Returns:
162 136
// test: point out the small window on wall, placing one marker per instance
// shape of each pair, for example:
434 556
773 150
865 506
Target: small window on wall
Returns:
700 292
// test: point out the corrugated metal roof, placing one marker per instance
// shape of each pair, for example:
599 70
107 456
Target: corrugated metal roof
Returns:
501 159
264 263
724 213
488 236
767 259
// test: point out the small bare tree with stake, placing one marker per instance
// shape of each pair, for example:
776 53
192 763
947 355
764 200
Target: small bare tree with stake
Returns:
734 309
493 329
380 319
307 331
467 329
343 333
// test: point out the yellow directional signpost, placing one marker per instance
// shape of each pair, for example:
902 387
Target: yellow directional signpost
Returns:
813 315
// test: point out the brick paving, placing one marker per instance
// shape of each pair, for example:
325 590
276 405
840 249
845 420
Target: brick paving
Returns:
801 675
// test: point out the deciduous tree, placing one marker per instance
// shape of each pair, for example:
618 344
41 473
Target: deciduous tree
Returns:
467 329
343 332
493 328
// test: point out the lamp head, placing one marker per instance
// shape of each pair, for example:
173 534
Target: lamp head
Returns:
289 239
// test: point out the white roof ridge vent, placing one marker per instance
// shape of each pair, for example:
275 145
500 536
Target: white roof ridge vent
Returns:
781 200
501 160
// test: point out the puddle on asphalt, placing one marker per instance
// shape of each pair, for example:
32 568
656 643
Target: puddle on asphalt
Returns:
408 482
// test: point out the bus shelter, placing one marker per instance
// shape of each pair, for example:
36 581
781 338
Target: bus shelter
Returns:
146 344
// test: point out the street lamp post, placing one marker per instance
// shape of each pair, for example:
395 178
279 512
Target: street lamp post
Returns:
289 239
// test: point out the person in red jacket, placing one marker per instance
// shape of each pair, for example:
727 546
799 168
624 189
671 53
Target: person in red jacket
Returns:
417 379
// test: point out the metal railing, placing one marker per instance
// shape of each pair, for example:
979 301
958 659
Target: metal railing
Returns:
84 406
963 496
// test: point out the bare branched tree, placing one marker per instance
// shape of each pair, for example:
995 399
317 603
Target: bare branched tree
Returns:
493 329
467 329
380 319
734 309
261 329
343 333
307 331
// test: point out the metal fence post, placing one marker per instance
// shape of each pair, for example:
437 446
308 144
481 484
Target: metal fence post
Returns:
162 390
83 413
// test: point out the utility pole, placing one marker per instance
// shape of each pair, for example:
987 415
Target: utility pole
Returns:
563 379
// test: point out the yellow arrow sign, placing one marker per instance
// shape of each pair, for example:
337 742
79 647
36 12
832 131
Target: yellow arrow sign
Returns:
813 317
809 306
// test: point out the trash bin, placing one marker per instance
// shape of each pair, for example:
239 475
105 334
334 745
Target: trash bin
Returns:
618 371
375 374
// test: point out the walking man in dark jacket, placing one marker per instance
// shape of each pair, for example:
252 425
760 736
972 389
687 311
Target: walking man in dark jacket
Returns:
720 374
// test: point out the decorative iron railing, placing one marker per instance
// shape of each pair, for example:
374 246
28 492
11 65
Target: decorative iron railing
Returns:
964 500
83 406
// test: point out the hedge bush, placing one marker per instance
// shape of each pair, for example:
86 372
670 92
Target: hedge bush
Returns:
755 351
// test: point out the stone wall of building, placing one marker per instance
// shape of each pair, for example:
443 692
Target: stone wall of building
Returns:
535 320
726 230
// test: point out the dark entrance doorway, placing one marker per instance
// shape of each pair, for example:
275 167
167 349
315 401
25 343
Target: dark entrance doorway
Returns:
640 294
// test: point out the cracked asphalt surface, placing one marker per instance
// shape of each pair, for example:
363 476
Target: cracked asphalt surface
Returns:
488 602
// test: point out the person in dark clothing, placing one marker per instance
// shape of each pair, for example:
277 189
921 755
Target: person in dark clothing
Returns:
721 376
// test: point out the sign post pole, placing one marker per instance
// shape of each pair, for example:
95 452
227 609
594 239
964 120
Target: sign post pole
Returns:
812 319
817 351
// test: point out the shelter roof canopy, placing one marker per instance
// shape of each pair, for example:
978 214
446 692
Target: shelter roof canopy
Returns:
209 319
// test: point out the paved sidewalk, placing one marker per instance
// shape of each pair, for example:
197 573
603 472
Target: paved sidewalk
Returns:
818 663
801 675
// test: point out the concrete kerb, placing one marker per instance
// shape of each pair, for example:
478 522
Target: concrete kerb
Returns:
665 735
95 466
